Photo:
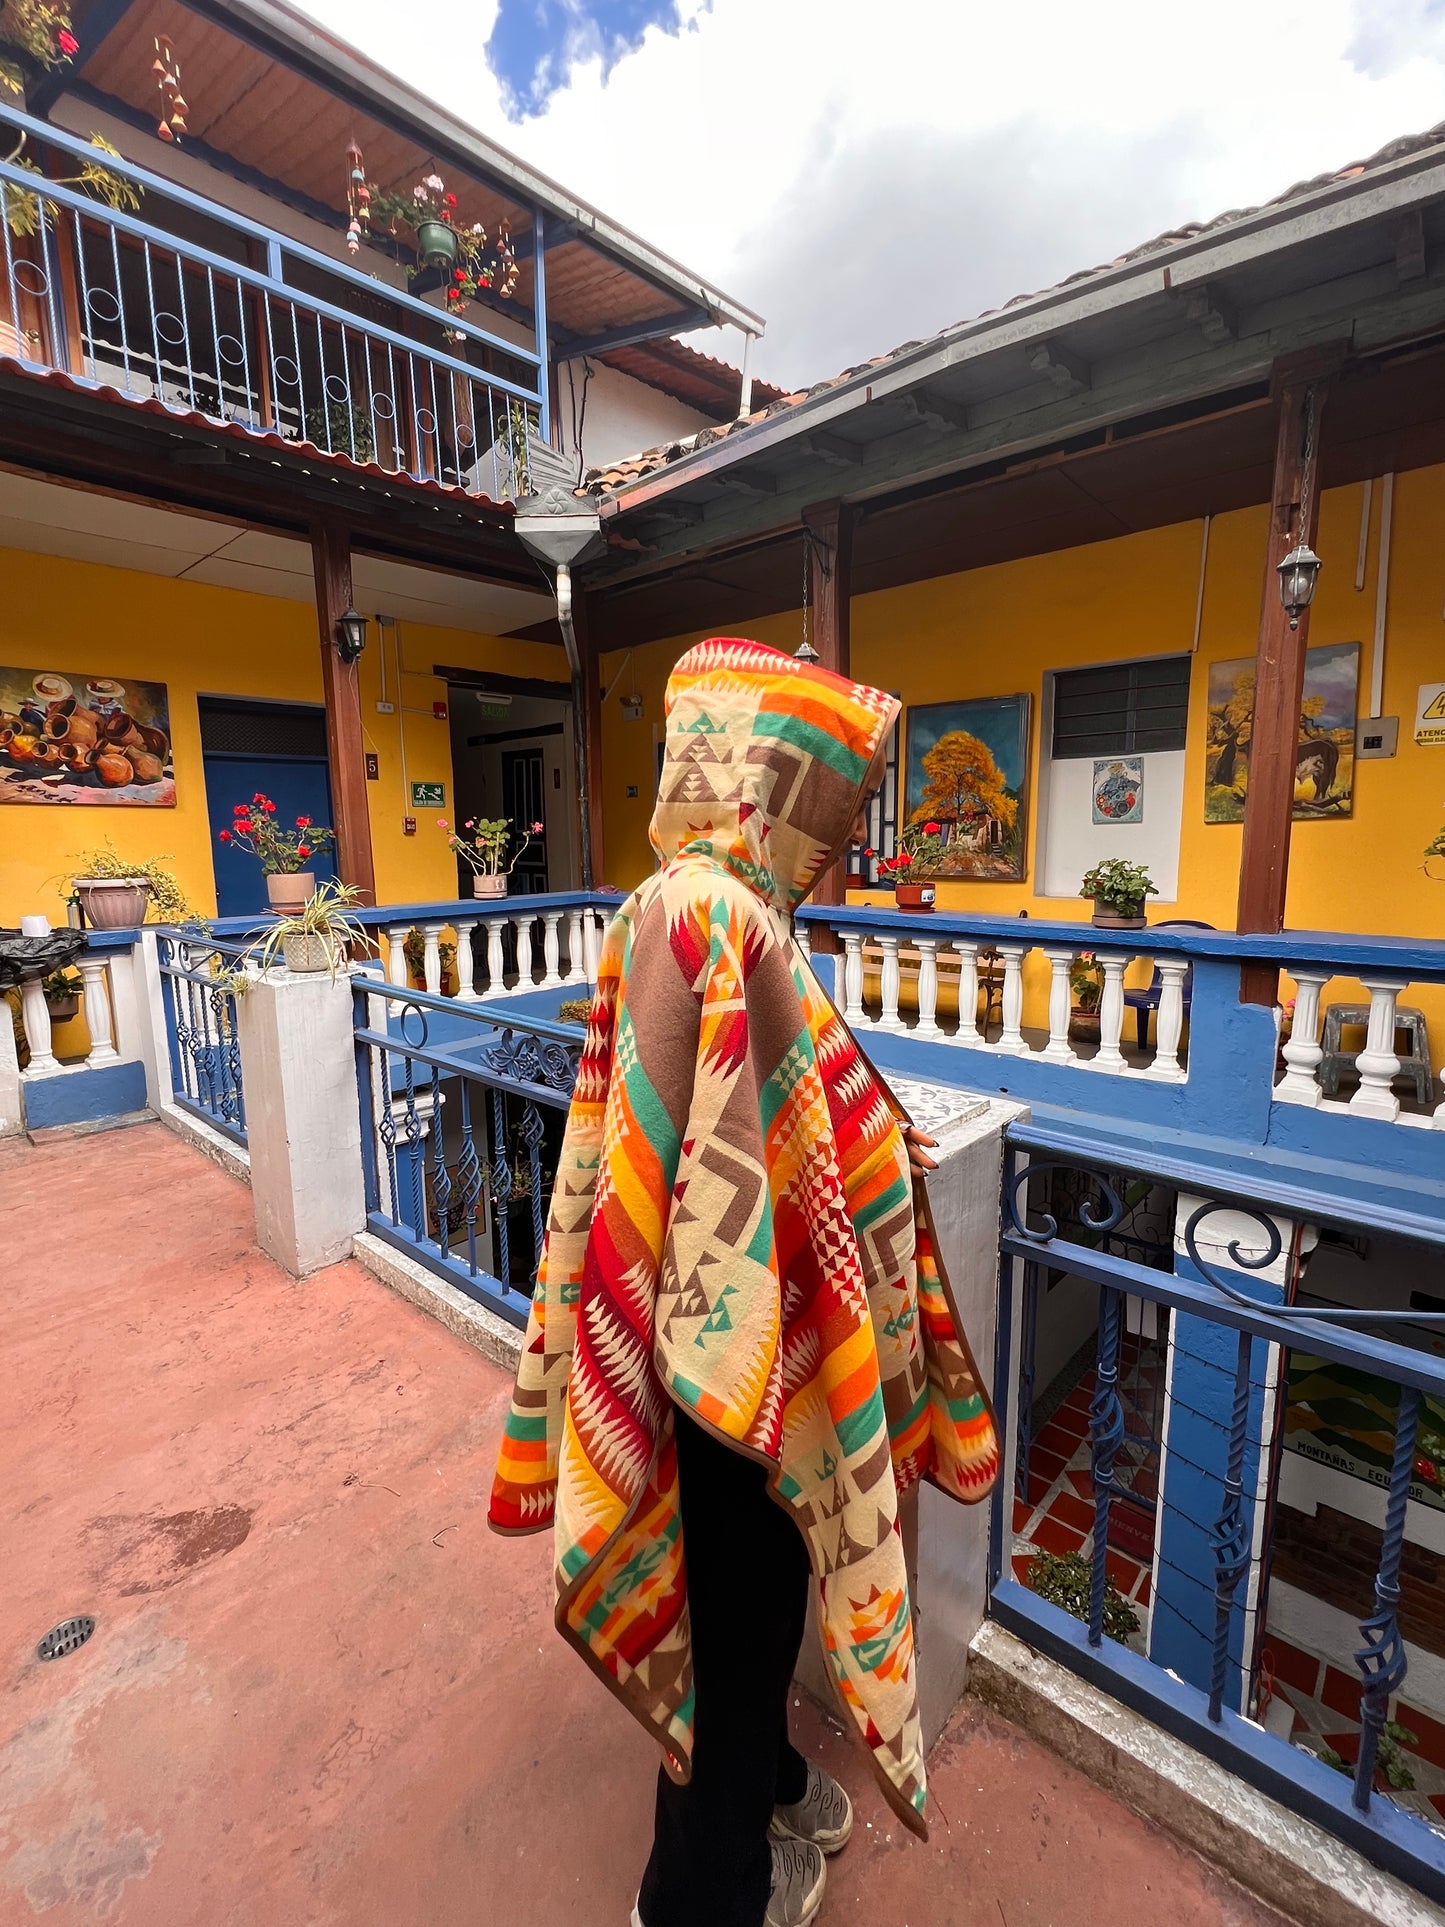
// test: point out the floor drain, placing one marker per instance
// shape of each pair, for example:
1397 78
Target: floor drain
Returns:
65 1637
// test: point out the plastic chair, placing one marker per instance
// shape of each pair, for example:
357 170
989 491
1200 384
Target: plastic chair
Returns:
1141 1002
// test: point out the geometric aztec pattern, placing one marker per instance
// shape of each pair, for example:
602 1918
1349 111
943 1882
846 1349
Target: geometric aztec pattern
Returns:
734 1231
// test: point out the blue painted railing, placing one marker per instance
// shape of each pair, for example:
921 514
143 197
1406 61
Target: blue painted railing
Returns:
462 1108
200 1014
368 372
1226 1327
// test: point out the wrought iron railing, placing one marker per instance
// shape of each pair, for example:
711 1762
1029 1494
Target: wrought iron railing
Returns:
200 1015
360 370
461 1123
1196 1661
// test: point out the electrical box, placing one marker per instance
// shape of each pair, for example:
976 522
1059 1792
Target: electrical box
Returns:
408 826
439 710
631 790
386 709
631 709
1376 736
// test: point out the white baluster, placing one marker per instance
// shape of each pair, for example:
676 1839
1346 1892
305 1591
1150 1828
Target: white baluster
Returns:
1169 1020
968 1031
927 1025
496 975
97 1012
432 957
888 1018
396 935
853 1011
1111 1015
803 937
592 945
576 970
1302 1051
1011 1042
527 933
36 1017
551 948
1377 1062
466 963
1058 1049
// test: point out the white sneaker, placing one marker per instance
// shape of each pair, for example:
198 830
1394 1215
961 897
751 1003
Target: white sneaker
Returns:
798 1879
824 1815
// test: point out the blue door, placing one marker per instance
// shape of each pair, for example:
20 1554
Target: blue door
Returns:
297 785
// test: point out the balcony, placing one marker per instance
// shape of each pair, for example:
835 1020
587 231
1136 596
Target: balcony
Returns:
304 353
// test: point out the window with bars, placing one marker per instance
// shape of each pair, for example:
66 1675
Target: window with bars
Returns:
1125 707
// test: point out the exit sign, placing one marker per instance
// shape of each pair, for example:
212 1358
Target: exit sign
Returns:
427 796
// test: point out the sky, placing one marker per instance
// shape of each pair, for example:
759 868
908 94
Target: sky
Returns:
864 176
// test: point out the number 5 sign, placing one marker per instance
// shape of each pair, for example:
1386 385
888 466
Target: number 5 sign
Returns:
1430 715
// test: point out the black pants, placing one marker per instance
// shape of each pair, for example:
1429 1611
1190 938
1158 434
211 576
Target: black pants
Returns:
747 1589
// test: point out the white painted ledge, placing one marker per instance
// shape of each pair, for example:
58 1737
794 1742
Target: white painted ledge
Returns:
483 1330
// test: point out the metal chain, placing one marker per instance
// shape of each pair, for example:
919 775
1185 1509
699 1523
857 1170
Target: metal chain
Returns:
1307 464
806 649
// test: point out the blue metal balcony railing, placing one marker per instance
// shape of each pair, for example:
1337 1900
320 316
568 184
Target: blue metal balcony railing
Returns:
366 372
200 1014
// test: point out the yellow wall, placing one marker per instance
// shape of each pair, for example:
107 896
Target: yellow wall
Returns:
221 642
994 631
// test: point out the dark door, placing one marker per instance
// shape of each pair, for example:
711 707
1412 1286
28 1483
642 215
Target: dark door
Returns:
522 805
279 749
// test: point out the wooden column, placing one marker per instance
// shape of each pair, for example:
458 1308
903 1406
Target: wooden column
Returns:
1301 385
587 717
331 560
828 531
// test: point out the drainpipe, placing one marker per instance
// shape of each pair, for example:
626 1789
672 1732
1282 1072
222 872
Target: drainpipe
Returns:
560 528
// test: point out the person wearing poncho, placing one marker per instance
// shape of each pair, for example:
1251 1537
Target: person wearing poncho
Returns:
740 1320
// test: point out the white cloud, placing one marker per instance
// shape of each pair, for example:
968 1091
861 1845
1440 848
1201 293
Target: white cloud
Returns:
864 175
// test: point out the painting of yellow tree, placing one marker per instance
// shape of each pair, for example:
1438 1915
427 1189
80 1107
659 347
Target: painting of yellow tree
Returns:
968 772
1324 783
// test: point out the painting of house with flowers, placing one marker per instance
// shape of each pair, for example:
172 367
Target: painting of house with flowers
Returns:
968 773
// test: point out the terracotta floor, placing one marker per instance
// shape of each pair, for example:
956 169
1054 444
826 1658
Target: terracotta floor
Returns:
320 1694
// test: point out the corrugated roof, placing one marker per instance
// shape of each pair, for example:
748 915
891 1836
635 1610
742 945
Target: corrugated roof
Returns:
632 468
701 381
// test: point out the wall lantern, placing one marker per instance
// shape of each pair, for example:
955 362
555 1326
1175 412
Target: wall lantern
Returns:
350 635
1298 574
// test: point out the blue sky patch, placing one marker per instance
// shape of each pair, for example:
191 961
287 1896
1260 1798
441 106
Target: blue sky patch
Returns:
535 43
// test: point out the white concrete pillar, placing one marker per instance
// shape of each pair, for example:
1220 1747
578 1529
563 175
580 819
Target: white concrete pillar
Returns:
552 948
927 1025
36 1019
496 975
396 953
1377 1063
1111 1015
1169 1022
12 1121
853 1011
1302 1051
1059 1050
576 967
431 969
968 1031
298 1066
97 1011
888 1017
1011 1041
466 963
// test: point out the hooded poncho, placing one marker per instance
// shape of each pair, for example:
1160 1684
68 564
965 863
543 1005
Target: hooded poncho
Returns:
733 1230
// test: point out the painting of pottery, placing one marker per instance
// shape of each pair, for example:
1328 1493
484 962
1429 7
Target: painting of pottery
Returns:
66 737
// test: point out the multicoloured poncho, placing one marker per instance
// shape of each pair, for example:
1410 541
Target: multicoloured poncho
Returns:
733 1229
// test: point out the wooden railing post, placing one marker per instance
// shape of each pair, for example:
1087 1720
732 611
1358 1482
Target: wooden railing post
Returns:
331 558
828 541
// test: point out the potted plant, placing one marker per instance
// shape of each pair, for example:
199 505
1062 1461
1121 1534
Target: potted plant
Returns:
1437 848
282 854
858 859
1086 980
1119 890
912 870
414 950
62 995
468 260
319 936
481 843
1066 1579
114 892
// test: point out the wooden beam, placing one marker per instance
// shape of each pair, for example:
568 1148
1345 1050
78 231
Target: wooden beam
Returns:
835 451
588 714
828 531
331 560
1212 314
1302 384
1409 233
1067 371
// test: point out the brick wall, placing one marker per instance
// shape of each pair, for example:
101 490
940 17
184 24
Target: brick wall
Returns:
1334 1557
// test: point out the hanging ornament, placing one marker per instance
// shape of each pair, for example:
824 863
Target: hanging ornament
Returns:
167 70
358 198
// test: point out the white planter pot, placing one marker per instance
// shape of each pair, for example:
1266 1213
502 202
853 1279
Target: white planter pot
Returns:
289 893
489 886
113 903
305 953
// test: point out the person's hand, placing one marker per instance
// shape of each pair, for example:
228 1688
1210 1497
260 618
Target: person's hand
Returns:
918 1159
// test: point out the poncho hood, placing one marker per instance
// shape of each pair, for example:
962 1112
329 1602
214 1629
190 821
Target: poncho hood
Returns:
764 765
734 1231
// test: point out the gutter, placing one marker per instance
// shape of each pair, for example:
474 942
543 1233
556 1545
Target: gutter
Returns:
1390 190
301 42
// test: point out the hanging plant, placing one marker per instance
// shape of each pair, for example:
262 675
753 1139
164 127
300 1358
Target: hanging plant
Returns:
26 211
468 258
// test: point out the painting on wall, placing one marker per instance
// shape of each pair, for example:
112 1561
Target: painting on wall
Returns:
1324 781
1345 1418
1119 789
968 769
66 737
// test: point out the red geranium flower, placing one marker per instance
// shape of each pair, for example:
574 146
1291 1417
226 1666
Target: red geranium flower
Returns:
225 836
450 199
303 822
302 850
903 856
243 826
931 829
241 809
270 806
67 42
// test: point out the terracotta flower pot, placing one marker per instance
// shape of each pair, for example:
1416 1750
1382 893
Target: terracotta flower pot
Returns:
1106 917
305 953
113 903
917 897
1084 1025
489 885
289 892
62 1009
